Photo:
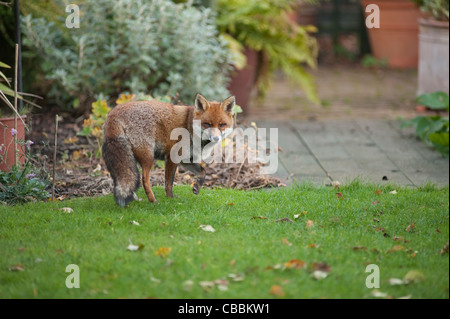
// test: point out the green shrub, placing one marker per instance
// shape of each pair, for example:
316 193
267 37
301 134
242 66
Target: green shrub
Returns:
22 184
146 46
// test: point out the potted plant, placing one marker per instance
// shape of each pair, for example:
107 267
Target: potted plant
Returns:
433 70
264 39
397 38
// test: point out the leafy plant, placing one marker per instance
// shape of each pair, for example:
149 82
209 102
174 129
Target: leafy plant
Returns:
264 26
21 184
140 46
433 130
439 9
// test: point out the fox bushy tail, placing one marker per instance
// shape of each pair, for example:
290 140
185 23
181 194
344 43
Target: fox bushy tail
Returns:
122 166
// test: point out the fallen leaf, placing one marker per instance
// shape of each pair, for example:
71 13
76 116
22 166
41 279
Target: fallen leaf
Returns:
378 192
336 184
259 217
277 290
295 263
356 248
233 262
312 246
319 274
222 284
236 277
375 202
410 227
378 294
309 223
322 266
163 251
133 247
71 140
339 195
67 210
286 242
396 281
17 267
444 250
298 215
230 204
414 276
207 228
156 280
396 248
394 192
399 238
206 284
187 285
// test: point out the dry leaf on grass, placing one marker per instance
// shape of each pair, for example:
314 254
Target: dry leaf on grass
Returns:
295 263
444 250
17 267
277 290
208 228
67 210
132 247
286 242
163 252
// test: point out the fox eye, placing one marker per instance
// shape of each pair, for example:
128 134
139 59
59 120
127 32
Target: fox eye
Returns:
222 125
206 125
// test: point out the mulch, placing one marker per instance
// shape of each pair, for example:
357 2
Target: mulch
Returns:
79 173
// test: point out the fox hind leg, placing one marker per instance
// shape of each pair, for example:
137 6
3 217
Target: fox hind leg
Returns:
145 158
123 169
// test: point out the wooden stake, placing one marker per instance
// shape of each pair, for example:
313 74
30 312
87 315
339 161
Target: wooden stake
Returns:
16 152
54 157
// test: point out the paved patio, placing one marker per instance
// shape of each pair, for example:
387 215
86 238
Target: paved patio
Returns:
376 150
354 133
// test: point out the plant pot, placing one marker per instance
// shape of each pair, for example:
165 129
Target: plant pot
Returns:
433 56
397 38
243 81
7 142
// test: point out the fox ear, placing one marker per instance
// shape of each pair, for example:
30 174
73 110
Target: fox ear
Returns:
228 104
201 103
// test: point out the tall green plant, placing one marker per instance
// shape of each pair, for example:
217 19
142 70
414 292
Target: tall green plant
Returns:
264 25
433 130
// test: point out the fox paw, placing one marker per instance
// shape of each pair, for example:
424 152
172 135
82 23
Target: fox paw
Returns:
196 189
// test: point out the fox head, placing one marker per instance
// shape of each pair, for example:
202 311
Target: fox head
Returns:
216 118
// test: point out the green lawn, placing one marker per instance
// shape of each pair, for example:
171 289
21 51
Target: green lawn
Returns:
246 257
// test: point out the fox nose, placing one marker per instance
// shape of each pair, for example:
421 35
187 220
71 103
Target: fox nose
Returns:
215 138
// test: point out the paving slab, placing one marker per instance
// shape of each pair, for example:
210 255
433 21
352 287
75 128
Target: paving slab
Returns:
376 150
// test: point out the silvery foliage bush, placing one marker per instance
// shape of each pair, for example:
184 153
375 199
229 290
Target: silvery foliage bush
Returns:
137 46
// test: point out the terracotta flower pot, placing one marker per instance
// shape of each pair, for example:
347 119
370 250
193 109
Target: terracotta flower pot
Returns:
397 38
242 81
7 142
433 71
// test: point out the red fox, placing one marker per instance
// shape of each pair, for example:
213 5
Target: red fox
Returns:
139 131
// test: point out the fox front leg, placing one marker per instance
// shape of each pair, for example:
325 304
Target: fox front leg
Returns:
199 170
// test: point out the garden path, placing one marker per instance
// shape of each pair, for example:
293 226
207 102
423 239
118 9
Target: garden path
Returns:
354 133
